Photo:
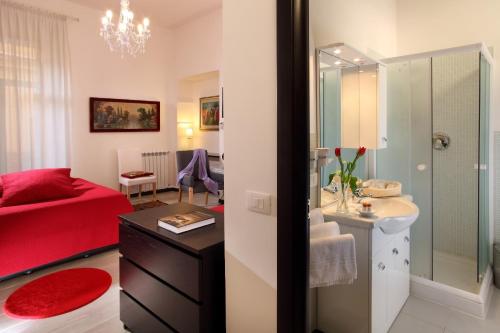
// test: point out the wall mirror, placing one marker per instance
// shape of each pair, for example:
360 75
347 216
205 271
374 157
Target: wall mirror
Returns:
351 98
350 108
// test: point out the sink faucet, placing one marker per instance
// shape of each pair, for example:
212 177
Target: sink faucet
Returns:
360 195
332 188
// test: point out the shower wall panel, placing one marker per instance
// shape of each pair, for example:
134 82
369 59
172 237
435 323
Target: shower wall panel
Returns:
455 104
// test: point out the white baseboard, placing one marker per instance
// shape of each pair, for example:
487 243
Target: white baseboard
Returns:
466 302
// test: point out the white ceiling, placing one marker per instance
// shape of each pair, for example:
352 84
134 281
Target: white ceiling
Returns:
166 13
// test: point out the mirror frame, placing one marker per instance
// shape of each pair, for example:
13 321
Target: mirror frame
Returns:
293 165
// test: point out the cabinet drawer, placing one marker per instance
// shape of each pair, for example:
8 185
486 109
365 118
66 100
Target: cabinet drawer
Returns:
170 306
137 319
379 286
171 265
380 240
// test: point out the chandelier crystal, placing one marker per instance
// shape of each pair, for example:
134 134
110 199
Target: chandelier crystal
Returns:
125 36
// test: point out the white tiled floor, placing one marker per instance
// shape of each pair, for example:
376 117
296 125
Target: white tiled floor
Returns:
419 316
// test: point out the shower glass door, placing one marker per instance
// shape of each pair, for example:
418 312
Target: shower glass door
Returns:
438 148
408 157
484 230
455 194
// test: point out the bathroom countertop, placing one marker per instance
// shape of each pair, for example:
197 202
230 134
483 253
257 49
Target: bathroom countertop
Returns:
352 218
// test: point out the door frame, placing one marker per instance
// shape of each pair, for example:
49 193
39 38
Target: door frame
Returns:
293 165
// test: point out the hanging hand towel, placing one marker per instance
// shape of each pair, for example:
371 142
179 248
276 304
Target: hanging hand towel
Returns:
332 260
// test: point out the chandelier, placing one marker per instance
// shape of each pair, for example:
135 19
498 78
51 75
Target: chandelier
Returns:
125 37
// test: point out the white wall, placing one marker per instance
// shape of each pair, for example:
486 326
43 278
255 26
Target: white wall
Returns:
249 60
198 45
427 25
198 62
367 25
96 72
192 48
188 110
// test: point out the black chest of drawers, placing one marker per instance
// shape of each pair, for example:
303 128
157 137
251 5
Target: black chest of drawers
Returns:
171 283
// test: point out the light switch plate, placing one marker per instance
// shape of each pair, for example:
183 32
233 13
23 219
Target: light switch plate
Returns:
259 202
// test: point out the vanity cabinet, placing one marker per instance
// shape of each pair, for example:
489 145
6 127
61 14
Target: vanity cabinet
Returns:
375 299
390 283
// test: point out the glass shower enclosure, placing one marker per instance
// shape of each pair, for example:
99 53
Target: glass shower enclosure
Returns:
438 147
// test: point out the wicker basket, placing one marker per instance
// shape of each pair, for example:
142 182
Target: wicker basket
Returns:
378 188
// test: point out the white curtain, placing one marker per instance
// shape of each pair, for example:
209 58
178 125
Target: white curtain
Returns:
34 89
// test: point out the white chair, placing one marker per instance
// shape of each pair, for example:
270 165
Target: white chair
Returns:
131 160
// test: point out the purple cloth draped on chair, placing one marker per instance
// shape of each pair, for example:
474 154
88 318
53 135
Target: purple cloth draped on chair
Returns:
200 157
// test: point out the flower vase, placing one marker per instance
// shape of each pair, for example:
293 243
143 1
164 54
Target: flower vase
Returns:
342 206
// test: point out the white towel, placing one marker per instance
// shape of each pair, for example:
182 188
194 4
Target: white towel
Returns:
332 260
316 217
324 230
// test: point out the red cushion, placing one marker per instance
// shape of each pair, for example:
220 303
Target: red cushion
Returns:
36 186
1 187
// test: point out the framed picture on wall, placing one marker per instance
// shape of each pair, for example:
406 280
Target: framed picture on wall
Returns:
124 115
209 113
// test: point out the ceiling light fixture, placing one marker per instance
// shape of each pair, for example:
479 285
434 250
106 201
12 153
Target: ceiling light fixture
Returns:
125 37
338 62
357 59
337 51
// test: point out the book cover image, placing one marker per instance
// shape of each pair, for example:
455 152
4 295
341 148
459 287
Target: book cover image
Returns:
182 220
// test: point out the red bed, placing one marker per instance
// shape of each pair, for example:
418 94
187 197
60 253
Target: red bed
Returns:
39 234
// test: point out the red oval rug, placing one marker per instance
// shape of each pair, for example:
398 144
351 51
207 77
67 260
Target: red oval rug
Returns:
57 293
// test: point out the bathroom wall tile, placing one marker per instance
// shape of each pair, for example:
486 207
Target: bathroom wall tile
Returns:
455 87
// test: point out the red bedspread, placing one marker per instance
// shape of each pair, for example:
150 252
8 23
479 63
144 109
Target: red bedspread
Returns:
38 234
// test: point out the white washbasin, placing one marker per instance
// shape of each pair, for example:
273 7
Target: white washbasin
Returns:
394 214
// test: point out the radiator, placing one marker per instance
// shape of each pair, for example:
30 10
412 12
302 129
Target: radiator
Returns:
156 162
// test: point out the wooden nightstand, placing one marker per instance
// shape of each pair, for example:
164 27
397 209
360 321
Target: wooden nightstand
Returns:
170 282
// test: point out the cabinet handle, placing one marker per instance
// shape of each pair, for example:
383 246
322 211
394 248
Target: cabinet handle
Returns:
395 251
381 266
407 239
407 262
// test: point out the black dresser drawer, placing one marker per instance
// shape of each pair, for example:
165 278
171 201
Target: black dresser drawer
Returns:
137 319
174 266
170 306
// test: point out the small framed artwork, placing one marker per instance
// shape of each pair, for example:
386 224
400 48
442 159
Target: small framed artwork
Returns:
124 115
209 113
